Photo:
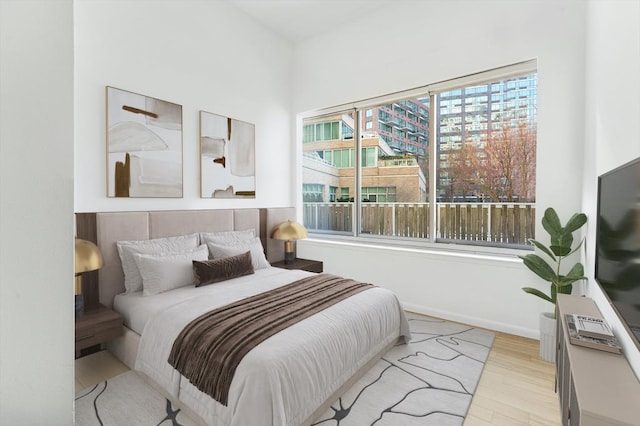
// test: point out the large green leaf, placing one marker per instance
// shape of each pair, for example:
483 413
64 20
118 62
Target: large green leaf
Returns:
575 222
551 222
538 266
560 241
559 249
575 274
543 248
562 237
577 271
565 289
538 293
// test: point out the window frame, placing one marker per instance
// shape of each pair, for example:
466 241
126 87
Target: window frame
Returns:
360 109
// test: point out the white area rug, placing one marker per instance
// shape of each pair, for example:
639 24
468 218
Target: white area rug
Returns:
126 400
429 381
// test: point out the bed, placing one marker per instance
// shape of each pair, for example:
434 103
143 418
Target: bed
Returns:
289 378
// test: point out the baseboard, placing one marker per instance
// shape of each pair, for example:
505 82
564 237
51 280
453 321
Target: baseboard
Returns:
476 322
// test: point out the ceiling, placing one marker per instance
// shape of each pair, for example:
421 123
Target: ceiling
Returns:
298 20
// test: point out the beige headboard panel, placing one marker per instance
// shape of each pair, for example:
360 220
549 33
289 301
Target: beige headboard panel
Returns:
270 218
115 226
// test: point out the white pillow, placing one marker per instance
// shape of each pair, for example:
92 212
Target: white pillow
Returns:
254 246
227 237
165 271
126 250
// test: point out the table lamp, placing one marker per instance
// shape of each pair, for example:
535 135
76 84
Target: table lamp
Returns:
289 232
88 258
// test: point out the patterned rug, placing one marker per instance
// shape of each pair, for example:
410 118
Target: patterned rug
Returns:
429 381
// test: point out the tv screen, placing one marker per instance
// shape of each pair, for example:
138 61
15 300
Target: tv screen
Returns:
618 242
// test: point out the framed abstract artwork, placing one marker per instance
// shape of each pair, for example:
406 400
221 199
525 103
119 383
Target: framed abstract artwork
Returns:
144 146
227 157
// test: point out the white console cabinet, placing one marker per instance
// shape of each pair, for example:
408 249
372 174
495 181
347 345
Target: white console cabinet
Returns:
595 387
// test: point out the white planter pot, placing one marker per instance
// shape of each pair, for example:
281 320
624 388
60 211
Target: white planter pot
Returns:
547 337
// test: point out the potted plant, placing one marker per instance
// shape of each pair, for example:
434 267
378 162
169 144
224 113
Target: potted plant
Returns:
551 270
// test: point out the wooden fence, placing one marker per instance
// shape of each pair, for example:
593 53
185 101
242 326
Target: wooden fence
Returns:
505 223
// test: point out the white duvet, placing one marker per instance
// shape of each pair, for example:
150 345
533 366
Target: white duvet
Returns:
283 380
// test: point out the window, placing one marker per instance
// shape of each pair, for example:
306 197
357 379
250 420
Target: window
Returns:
328 162
344 194
481 190
312 193
379 194
343 158
332 193
369 156
325 131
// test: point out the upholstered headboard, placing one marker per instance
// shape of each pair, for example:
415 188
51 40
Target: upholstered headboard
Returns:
110 227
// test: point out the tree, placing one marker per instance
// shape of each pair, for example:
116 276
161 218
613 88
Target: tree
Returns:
500 167
461 171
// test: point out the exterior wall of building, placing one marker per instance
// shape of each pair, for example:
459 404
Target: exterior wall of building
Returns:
403 125
408 181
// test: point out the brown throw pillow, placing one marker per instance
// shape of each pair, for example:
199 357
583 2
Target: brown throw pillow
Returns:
222 269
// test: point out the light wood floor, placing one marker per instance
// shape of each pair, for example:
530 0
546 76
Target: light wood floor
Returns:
516 387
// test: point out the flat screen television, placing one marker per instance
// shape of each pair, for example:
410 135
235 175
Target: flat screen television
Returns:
618 243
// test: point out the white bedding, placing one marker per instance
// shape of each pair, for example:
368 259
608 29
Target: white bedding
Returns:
137 309
284 379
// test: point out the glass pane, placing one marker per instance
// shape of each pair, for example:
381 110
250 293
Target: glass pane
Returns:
486 138
395 165
327 164
307 133
335 130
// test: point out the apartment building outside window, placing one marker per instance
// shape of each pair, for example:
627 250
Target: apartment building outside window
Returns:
474 185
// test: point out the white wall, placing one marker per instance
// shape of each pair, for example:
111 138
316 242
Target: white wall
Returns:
203 55
36 212
207 55
416 43
612 109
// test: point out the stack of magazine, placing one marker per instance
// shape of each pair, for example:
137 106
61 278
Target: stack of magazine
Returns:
591 332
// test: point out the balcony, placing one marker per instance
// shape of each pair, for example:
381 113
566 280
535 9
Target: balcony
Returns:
397 162
493 223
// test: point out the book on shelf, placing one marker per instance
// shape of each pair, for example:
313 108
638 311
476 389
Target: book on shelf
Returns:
592 327
608 344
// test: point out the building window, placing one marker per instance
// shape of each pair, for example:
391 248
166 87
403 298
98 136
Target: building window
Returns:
484 133
375 194
312 193
343 158
369 157
344 194
332 193
325 131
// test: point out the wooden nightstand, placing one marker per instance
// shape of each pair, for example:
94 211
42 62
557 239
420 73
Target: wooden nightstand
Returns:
97 325
304 264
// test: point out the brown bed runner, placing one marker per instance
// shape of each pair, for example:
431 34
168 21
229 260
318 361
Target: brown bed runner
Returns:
208 350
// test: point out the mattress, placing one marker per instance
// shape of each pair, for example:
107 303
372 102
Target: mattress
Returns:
284 379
